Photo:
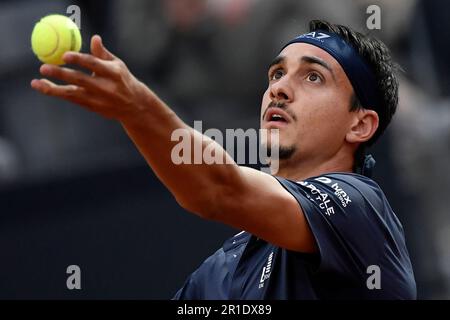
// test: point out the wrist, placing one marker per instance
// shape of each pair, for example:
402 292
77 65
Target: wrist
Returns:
142 107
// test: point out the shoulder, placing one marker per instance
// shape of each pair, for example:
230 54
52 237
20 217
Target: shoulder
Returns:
342 195
352 181
347 188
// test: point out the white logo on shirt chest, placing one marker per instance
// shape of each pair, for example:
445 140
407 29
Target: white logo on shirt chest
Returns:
266 271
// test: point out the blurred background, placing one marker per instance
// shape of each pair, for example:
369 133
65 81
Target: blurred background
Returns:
74 190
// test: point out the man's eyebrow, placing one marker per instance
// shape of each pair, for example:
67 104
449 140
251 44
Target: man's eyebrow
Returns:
315 60
277 60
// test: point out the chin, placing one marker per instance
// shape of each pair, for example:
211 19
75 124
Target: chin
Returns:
280 152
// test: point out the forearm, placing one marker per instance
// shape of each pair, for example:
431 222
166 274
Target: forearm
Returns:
193 185
114 92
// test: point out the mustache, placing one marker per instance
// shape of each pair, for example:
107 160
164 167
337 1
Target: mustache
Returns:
279 104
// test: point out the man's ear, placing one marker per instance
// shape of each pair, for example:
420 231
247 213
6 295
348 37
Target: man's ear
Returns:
364 125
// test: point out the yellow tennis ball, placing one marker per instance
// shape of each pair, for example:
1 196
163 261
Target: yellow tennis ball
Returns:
53 36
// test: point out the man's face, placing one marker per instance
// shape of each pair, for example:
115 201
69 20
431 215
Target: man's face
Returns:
308 100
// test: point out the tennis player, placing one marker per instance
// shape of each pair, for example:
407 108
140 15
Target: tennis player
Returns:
318 229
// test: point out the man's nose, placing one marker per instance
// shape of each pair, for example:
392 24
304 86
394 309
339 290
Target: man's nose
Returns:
281 90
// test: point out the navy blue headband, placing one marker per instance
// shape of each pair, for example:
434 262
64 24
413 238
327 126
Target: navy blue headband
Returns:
356 69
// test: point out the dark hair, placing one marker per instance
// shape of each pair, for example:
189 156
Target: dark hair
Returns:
379 59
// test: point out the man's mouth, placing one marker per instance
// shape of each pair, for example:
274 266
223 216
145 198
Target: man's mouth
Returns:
276 117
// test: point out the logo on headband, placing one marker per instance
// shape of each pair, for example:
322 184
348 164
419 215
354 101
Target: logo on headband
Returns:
316 35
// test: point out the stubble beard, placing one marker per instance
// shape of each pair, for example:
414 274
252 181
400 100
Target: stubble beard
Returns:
284 153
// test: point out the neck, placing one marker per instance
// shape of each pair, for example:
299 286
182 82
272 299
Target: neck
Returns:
301 169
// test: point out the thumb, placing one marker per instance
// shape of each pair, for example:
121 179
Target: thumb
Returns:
98 49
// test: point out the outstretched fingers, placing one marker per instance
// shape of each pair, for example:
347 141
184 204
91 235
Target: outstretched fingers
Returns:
70 92
74 77
92 63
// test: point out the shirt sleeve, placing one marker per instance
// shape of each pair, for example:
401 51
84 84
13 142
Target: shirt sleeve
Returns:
352 224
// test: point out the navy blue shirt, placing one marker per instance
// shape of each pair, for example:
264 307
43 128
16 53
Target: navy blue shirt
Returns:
362 251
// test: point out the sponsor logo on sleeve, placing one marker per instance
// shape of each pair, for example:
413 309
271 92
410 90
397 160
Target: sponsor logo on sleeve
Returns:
323 198
338 191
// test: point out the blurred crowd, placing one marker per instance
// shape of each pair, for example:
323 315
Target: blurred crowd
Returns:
208 60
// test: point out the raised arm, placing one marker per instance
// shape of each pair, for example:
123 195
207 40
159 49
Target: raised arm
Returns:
241 197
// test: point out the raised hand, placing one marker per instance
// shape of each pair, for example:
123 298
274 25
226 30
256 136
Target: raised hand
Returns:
110 90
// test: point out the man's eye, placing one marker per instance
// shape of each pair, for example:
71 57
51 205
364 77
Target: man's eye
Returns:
314 77
277 74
